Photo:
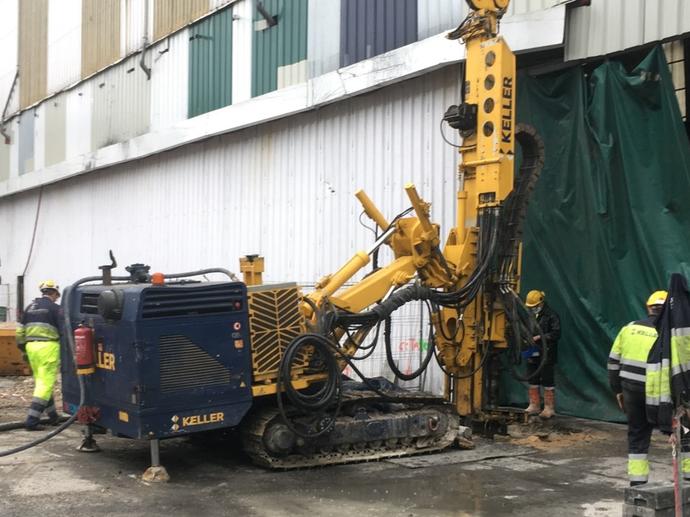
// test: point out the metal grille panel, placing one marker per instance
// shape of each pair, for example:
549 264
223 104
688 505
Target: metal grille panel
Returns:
184 365
162 302
89 303
275 320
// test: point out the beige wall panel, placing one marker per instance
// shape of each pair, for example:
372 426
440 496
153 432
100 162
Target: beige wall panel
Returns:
55 130
170 15
100 35
33 51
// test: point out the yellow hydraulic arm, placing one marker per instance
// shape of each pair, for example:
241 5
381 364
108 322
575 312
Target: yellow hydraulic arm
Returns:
471 321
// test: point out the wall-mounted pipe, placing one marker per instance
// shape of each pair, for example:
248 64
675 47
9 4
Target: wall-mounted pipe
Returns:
145 42
4 111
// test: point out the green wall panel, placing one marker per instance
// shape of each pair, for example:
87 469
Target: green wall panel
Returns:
210 63
283 44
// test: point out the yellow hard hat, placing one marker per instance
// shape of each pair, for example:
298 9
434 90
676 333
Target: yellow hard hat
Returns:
534 298
49 284
657 298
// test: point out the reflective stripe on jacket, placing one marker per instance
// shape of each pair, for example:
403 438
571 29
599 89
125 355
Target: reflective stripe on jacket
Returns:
41 321
627 363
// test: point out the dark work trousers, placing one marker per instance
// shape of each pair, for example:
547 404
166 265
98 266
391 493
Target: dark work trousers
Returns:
545 377
639 430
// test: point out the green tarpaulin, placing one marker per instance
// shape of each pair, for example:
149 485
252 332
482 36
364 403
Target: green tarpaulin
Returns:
609 220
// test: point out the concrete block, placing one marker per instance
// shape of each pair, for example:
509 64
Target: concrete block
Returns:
631 510
655 496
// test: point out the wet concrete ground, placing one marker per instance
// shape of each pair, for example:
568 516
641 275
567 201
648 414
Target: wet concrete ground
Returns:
583 475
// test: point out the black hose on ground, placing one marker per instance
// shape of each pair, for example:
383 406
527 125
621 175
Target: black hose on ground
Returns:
53 433
11 426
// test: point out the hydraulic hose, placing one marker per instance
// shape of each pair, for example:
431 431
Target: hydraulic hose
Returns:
523 326
198 272
325 397
329 395
391 362
11 426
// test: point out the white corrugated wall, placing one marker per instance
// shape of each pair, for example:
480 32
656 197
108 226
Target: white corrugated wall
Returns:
121 103
242 34
611 26
64 44
79 103
323 37
132 30
169 80
39 136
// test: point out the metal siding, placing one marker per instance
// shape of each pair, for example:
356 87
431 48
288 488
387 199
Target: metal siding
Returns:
6 152
100 36
12 128
55 120
33 49
26 141
323 37
170 15
8 42
242 33
121 104
372 27
280 46
279 189
217 4
611 26
64 43
39 136
79 105
169 80
210 63
437 16
133 30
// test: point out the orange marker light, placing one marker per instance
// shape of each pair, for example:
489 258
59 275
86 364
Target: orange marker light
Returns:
158 279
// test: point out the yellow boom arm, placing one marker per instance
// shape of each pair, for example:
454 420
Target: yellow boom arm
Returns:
486 121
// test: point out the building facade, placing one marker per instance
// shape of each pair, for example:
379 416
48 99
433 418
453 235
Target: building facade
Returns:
185 134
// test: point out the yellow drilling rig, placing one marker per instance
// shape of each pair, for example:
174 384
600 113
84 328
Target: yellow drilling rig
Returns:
185 356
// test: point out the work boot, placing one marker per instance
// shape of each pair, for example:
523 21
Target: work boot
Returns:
53 417
549 403
534 401
33 417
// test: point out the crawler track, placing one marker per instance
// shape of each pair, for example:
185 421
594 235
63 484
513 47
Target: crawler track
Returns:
370 428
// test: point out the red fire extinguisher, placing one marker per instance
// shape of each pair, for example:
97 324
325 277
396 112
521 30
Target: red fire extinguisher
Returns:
84 354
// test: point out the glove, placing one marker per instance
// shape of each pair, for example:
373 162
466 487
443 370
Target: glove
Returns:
530 352
619 400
